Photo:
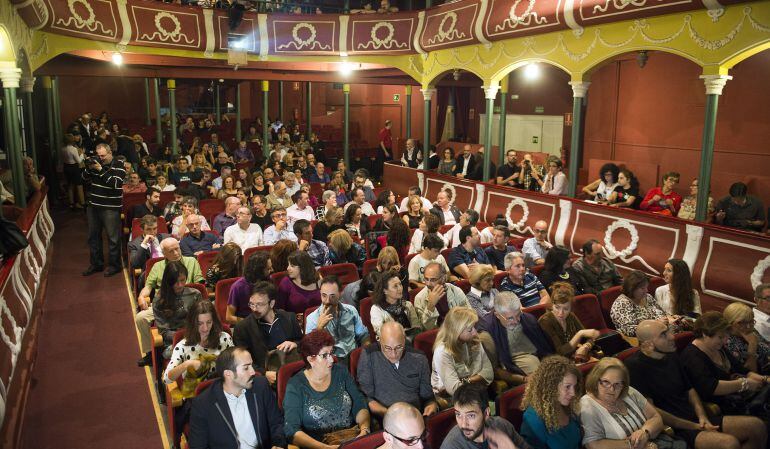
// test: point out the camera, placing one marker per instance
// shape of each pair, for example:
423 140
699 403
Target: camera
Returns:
92 161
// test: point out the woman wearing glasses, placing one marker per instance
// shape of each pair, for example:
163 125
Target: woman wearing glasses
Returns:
744 343
555 181
322 399
615 415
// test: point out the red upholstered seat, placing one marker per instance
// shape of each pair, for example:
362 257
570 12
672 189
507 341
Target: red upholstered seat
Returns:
354 356
443 229
221 293
365 310
250 251
303 319
424 342
509 405
587 309
346 272
498 279
537 310
606 298
211 208
373 219
626 353
278 277
464 285
655 282
284 374
439 425
204 260
537 269
683 339
369 266
370 441
201 288
136 227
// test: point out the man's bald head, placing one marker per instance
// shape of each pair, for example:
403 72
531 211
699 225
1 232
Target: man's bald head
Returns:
170 248
402 417
649 329
392 340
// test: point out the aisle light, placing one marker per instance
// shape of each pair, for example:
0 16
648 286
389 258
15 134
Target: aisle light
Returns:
532 71
117 59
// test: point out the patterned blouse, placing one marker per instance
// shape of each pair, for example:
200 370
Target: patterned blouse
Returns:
739 348
626 314
183 352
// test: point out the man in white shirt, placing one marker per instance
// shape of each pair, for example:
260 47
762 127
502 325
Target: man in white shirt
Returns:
244 233
446 212
279 230
300 210
414 190
468 218
762 310
536 248
358 198
430 309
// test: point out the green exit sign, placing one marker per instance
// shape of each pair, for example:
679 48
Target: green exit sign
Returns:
539 109
396 98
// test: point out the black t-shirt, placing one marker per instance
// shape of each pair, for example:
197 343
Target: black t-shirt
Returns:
506 171
624 194
664 381
263 222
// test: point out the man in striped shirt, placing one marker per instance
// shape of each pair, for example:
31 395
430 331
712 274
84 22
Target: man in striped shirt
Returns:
105 176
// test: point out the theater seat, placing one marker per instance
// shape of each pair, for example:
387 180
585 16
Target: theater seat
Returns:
346 272
537 269
509 405
365 310
201 288
655 282
606 298
371 441
353 362
443 229
623 355
221 293
284 374
424 342
439 425
278 277
537 310
464 285
498 279
683 339
250 251
587 309
205 259
369 266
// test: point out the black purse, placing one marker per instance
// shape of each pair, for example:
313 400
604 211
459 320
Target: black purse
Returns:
12 240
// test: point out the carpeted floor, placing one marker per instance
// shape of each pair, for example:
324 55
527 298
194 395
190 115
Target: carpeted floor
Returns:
87 391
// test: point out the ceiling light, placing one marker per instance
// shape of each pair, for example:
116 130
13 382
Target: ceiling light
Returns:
345 68
532 71
117 58
456 75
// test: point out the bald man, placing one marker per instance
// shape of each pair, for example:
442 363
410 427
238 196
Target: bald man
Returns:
171 252
404 427
658 374
228 217
536 248
390 372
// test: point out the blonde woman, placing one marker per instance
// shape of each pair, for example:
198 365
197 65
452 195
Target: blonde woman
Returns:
199 162
551 405
482 294
458 357
744 343
342 249
414 212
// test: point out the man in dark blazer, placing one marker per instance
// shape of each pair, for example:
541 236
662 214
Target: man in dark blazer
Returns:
219 420
147 245
465 157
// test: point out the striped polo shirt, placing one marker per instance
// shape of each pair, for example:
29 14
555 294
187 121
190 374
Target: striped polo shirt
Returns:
106 186
528 293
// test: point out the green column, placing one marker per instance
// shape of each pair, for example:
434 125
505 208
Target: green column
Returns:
714 86
171 85
579 89
428 3
47 88
58 131
427 95
217 109
490 93
346 124
147 107
501 126
10 79
265 119
280 100
158 125
238 130
27 85
308 109
408 133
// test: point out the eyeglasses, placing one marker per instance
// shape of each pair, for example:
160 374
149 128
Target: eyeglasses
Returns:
438 279
325 355
256 305
609 385
510 319
410 441
395 350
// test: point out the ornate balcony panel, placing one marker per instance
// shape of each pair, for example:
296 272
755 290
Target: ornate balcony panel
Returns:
392 33
90 19
303 34
514 18
156 25
450 25
247 33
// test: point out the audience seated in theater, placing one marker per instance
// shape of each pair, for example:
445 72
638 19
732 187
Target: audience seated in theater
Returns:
196 241
355 222
162 184
148 171
189 207
425 203
611 411
740 210
361 180
715 374
199 162
316 249
182 172
458 356
536 248
481 297
512 340
663 200
468 254
552 405
279 230
267 329
389 304
468 218
476 427
657 372
218 183
279 198
392 372
342 168
447 213
387 261
414 212
744 343
243 232
677 297
227 264
508 173
690 202
357 198
431 252
564 328
626 193
194 355
227 217
339 186
209 427
555 181
762 310
600 189
500 248
331 222
134 184
299 289
260 215
151 205
437 297
465 163
279 254
323 398
242 153
172 303
389 213
521 282
340 320
635 305
429 225
319 175
342 249
598 272
448 163
146 246
384 199
258 269
558 268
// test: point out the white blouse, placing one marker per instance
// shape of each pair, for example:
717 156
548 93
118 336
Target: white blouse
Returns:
604 190
663 298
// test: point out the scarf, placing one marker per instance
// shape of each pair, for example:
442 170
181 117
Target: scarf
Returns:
398 312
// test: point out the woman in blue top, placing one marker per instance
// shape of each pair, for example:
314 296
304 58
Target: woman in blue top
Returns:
322 398
551 405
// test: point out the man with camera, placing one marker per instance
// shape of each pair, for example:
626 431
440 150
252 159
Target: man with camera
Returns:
105 176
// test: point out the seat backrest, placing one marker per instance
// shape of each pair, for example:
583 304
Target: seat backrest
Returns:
606 298
373 220
365 309
537 269
346 272
371 441
149 264
439 426
250 251
586 308
408 259
424 342
211 208
655 282
518 242
221 292
204 260
369 266
203 385
353 365
413 294
537 310
201 288
307 313
278 277
445 253
284 374
464 285
443 229
682 339
498 279
509 405
626 353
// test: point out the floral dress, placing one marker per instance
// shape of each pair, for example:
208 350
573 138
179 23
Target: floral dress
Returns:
739 348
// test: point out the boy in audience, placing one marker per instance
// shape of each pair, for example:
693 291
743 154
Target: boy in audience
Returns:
431 252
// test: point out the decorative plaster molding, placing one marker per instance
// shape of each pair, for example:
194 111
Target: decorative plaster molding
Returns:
125 23
490 92
27 84
565 208
10 77
344 19
691 250
715 83
579 88
427 94
208 21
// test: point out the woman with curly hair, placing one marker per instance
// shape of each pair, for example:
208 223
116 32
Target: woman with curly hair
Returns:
677 297
551 405
227 264
279 255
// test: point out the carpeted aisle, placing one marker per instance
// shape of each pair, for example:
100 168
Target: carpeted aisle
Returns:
87 391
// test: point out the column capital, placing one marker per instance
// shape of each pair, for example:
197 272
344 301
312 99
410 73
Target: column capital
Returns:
428 94
171 84
408 89
579 88
490 92
265 86
346 88
27 84
715 83
10 77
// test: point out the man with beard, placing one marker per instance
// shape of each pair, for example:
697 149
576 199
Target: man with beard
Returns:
238 410
474 422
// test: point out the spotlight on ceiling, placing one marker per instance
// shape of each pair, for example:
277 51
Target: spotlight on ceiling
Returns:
532 71
641 58
117 59
456 74
345 68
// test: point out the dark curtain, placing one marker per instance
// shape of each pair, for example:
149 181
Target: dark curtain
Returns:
443 97
462 101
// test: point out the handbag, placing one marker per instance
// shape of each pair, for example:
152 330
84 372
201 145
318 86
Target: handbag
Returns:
666 441
12 240
340 436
